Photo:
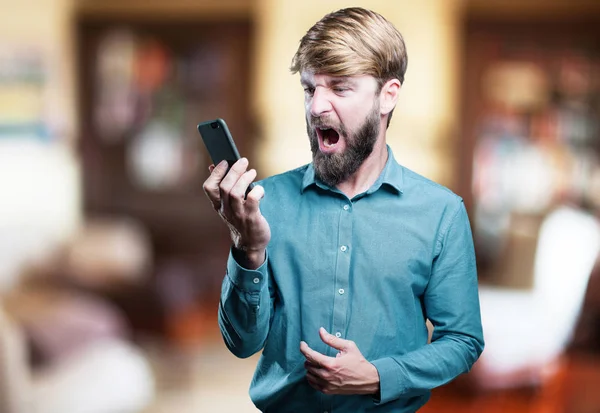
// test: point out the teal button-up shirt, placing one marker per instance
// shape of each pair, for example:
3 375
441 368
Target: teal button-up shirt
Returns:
370 269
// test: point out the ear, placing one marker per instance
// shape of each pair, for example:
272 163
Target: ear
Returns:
388 97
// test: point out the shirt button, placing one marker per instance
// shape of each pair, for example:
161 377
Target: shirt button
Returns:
346 207
341 291
256 280
343 248
338 334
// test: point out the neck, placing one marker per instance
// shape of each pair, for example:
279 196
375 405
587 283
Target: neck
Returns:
367 173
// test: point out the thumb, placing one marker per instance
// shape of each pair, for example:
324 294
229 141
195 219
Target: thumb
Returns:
333 341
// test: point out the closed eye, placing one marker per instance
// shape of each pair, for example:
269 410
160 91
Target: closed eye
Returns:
340 89
309 90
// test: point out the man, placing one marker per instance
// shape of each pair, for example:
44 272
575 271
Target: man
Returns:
334 276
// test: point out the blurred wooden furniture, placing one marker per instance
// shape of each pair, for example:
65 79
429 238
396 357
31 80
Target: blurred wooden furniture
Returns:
530 120
184 70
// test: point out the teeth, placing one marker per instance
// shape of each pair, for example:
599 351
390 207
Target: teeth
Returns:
326 142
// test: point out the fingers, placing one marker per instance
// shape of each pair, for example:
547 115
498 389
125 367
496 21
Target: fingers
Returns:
227 183
228 189
317 371
236 171
237 194
211 185
309 366
333 341
314 357
315 376
253 198
315 381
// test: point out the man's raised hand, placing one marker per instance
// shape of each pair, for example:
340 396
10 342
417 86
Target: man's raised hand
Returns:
226 191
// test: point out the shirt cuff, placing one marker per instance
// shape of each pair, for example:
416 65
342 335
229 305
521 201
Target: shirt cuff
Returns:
390 386
245 279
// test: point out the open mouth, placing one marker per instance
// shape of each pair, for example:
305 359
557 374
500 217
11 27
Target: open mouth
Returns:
328 137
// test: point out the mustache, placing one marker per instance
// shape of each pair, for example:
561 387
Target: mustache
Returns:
319 122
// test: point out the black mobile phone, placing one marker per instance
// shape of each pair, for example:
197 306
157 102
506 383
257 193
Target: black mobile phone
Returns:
219 143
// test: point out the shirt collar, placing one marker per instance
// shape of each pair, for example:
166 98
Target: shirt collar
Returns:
391 176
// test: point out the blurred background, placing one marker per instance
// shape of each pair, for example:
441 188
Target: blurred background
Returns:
111 259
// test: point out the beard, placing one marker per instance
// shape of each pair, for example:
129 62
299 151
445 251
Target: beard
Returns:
335 168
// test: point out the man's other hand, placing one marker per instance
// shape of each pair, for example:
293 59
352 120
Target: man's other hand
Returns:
347 373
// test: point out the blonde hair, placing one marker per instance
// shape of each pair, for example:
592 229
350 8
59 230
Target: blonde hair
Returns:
353 42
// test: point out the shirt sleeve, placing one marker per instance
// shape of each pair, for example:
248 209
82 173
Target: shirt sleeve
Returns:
451 302
245 307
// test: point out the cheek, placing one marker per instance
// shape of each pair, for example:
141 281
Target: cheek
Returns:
354 117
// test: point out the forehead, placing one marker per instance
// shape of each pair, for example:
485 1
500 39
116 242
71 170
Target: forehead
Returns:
311 78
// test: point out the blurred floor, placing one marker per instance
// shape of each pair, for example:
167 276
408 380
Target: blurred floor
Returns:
205 377
211 379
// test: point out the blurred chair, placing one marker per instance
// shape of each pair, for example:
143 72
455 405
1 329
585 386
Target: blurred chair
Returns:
526 331
106 376
63 346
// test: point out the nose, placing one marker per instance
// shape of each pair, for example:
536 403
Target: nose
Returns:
319 103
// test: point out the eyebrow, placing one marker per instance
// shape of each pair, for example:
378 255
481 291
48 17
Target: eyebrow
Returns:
341 80
336 81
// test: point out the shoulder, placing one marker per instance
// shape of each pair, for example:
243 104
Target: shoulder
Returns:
435 203
430 191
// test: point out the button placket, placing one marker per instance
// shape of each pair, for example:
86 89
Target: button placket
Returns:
342 276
